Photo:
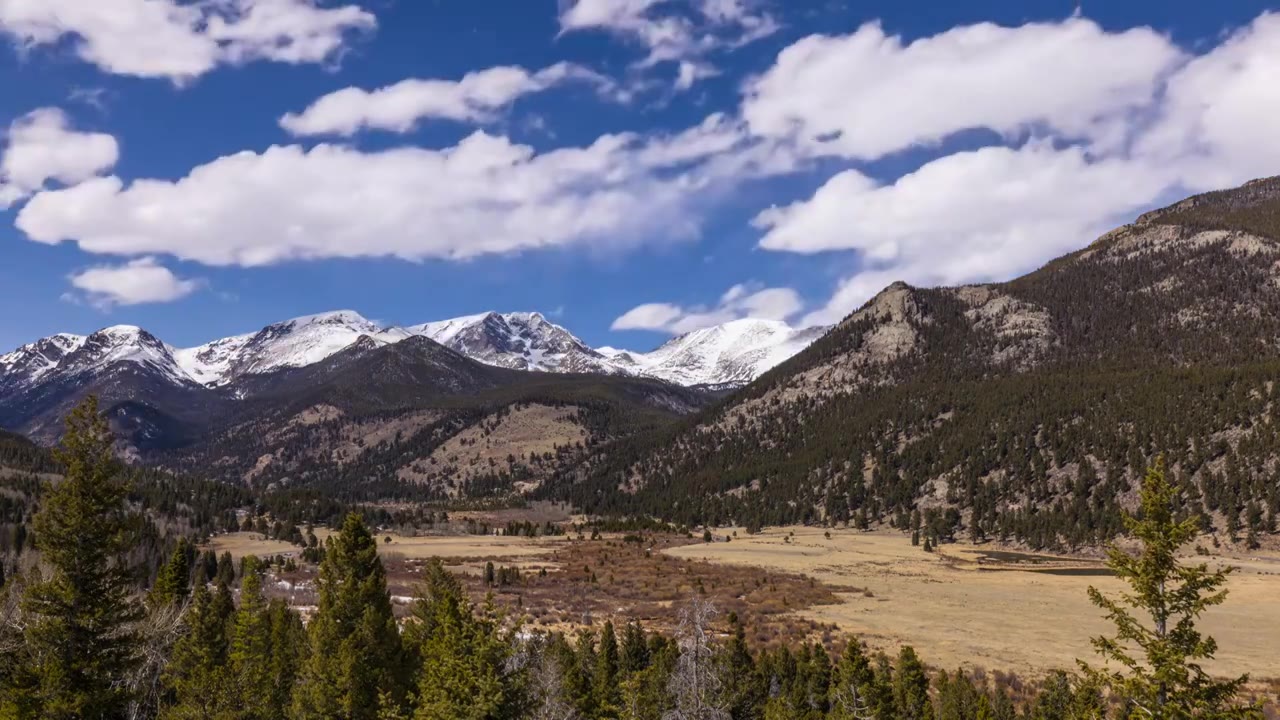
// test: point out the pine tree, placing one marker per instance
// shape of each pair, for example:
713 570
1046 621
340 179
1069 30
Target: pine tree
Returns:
288 648
355 652
250 654
1165 680
198 678
605 677
743 688
853 691
911 687
81 637
464 672
173 584
635 649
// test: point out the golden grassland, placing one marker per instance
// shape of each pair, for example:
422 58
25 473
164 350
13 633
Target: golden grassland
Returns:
963 605
968 605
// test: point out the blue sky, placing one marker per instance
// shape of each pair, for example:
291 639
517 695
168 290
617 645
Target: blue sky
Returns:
616 174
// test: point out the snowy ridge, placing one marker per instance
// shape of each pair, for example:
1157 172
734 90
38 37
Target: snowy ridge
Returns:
292 343
34 360
729 355
118 344
518 340
732 354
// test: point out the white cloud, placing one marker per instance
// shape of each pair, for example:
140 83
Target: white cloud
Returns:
690 72
673 30
43 147
182 40
485 195
1217 123
740 301
1117 123
134 283
867 94
477 97
975 216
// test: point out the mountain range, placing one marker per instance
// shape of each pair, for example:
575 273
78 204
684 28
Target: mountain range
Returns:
725 356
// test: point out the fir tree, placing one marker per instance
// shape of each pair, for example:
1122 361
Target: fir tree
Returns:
355 653
743 688
1165 679
635 649
173 584
464 658
198 678
81 635
911 687
853 691
605 677
288 648
250 655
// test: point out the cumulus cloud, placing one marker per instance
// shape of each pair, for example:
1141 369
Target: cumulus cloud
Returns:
181 40
1108 139
977 216
43 147
136 282
679 31
740 301
1217 122
485 195
868 94
477 97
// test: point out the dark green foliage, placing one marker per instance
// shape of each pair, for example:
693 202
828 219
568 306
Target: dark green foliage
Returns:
911 687
464 673
854 687
605 694
355 652
199 677
173 584
80 642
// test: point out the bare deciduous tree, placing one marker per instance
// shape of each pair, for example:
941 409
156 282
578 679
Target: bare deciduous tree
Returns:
695 685
159 630
546 680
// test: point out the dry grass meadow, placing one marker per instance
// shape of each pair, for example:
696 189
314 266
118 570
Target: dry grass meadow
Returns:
964 605
978 607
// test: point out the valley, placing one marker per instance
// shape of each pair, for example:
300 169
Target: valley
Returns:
968 606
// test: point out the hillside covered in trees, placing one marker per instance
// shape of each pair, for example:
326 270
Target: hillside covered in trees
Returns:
1025 410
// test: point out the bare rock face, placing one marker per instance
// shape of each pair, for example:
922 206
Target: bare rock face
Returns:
1023 331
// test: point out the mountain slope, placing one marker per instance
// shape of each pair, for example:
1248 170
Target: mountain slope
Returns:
387 421
135 375
520 341
293 343
729 355
726 356
1023 410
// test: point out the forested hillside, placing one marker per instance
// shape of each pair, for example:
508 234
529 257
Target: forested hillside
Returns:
167 506
1024 410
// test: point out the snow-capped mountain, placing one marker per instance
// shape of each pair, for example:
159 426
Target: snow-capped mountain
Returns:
121 344
728 355
293 343
29 363
65 356
521 341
